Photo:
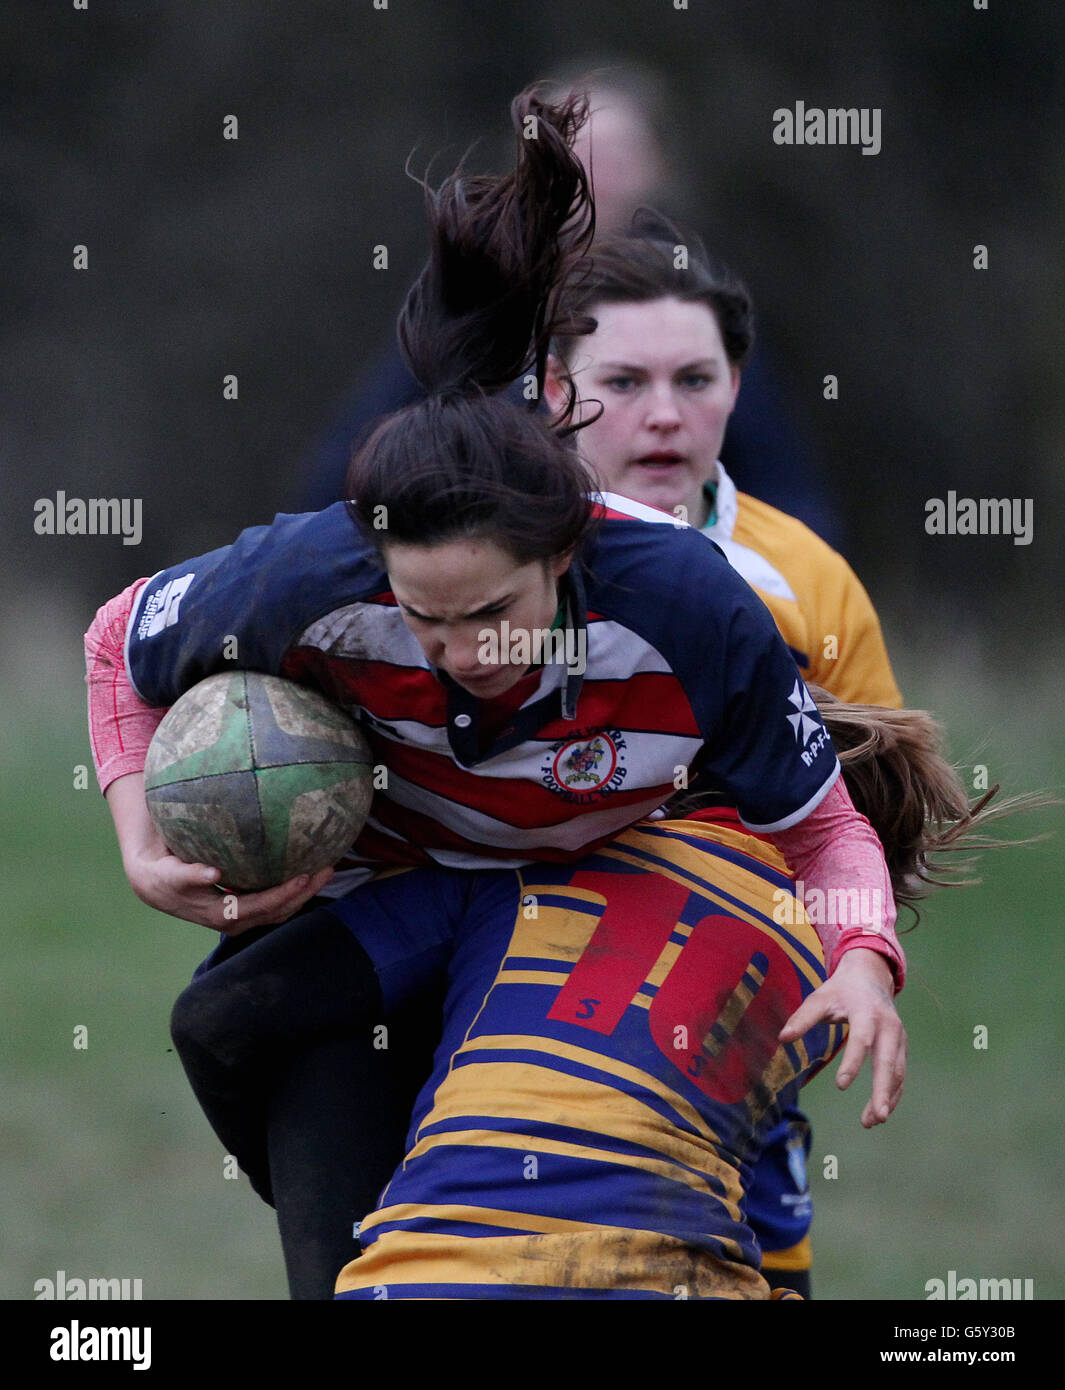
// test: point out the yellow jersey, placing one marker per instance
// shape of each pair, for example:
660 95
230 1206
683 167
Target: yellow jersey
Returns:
817 601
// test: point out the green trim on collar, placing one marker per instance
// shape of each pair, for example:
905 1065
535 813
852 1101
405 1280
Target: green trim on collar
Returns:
710 493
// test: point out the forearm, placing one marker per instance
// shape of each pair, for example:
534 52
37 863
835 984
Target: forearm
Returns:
121 727
134 826
843 880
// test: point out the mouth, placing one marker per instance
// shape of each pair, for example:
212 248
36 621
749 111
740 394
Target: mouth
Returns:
477 678
661 459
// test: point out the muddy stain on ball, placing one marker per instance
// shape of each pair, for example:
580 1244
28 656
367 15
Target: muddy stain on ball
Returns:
259 777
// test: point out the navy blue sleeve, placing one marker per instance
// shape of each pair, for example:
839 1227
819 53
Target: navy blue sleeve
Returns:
243 606
766 741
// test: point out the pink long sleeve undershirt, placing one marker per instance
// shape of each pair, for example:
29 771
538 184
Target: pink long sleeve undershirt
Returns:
121 725
834 847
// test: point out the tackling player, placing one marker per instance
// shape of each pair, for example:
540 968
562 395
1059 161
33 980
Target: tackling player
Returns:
658 380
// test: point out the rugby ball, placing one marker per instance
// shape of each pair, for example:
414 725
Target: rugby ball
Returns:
259 777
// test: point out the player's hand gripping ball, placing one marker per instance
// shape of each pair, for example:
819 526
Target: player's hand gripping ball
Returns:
258 777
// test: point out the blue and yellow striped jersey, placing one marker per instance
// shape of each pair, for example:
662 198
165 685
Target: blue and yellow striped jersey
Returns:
609 1053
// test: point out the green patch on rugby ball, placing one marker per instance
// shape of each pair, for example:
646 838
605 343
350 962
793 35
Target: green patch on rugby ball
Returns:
259 777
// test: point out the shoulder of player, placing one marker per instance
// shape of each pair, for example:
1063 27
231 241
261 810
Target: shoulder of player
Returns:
305 535
799 553
666 555
282 562
671 584
265 587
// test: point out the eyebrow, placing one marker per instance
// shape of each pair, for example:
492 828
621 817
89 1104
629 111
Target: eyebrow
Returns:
640 367
484 610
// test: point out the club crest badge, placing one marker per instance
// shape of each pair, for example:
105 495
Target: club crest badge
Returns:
586 768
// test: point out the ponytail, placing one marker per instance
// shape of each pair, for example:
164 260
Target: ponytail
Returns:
464 463
483 310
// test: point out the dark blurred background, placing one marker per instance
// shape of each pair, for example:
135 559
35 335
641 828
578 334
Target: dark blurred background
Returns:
254 257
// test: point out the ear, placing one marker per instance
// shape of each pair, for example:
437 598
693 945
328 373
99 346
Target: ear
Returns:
556 385
560 563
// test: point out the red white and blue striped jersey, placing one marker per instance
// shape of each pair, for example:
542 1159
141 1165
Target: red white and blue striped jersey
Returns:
683 666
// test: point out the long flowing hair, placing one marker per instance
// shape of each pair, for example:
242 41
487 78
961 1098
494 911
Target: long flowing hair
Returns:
464 462
915 800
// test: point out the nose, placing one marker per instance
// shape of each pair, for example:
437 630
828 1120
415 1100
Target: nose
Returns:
662 412
460 654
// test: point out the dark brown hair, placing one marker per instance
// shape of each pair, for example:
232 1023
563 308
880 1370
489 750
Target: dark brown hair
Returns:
463 462
659 261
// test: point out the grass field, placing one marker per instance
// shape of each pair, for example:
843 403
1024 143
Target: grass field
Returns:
108 1169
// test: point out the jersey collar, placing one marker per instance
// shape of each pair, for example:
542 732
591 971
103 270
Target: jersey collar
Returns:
727 508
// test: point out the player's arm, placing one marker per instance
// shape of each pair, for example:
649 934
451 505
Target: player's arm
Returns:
767 744
121 728
836 848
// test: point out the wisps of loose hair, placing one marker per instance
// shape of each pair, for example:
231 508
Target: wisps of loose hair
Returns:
913 797
915 800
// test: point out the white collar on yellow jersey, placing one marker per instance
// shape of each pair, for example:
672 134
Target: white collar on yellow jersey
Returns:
756 568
